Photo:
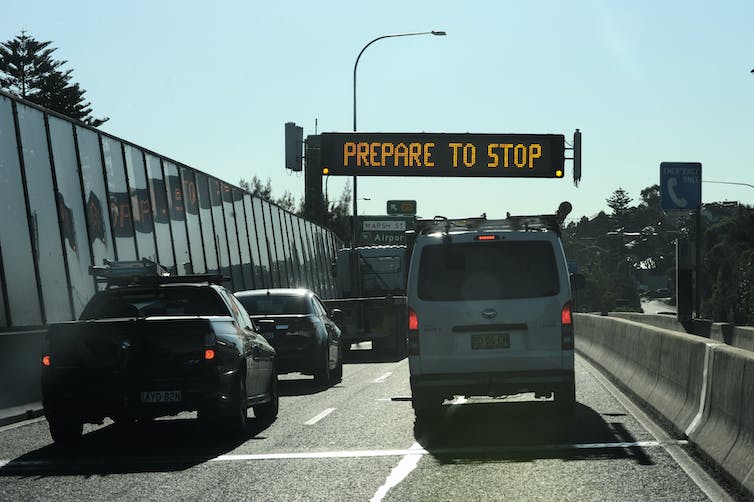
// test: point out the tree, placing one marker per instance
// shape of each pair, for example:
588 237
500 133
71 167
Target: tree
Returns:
619 202
729 264
256 188
28 70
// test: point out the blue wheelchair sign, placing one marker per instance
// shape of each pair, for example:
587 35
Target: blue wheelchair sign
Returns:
680 185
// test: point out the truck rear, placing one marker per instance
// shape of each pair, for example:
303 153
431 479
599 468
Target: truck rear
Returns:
372 299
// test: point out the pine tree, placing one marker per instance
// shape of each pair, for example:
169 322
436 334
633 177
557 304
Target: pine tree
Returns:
619 202
28 70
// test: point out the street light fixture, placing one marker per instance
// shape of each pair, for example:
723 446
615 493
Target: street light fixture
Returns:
355 65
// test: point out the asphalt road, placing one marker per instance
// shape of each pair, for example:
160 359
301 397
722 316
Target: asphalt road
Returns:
358 441
657 306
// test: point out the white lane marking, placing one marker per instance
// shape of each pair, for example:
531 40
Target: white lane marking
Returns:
418 450
459 400
99 461
382 378
399 472
318 455
694 471
319 417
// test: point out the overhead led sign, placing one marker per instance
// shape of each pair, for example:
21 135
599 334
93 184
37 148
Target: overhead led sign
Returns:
441 154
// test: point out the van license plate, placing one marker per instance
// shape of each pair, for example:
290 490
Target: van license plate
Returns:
490 341
161 396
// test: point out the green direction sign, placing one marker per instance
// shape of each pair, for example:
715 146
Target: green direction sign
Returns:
401 207
384 230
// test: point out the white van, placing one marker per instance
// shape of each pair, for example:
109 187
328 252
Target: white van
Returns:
490 310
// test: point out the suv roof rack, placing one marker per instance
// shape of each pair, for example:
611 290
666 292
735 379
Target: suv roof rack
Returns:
542 222
144 272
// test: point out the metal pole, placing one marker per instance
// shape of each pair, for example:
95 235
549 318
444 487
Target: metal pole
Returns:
355 216
355 66
698 265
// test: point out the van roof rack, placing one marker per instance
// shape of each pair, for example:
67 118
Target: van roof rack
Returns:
144 272
542 222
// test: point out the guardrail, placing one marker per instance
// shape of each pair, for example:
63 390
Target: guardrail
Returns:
723 332
702 387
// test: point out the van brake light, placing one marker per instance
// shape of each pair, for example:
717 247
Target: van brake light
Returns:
566 327
566 316
413 320
413 333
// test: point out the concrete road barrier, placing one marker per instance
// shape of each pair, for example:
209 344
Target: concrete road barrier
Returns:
735 336
702 387
725 431
680 377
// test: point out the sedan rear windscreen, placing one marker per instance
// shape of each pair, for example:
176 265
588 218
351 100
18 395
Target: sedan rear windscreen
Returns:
489 270
275 304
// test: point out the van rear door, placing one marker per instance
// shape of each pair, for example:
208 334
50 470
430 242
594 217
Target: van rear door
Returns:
490 305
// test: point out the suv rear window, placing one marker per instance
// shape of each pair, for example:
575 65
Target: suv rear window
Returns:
169 301
487 271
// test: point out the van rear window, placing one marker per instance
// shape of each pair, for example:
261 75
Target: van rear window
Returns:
489 270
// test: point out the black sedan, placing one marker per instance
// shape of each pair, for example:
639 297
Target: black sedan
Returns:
301 330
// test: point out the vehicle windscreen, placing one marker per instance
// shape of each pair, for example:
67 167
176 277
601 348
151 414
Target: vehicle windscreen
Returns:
275 304
172 301
490 270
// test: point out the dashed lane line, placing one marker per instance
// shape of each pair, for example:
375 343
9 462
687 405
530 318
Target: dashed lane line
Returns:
319 417
382 378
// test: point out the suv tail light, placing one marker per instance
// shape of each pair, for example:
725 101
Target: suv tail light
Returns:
566 326
413 333
210 347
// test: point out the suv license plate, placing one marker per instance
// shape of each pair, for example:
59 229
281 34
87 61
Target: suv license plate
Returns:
161 396
490 341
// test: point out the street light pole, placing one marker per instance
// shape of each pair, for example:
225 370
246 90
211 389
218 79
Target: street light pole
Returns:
355 66
729 183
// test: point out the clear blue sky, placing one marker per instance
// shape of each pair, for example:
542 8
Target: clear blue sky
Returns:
211 84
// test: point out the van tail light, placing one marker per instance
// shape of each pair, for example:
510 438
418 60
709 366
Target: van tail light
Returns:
566 326
413 333
46 360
